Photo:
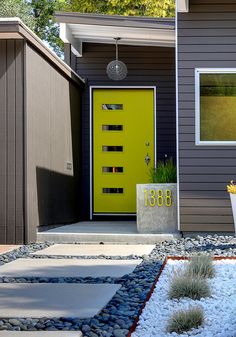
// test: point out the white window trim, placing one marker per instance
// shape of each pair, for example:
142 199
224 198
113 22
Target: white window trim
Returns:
198 72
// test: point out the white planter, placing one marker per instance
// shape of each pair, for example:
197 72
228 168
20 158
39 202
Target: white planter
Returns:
157 208
233 204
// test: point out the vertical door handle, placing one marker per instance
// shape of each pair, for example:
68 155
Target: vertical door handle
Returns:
147 158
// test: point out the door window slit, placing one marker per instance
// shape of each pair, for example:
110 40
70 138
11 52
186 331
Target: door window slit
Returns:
113 190
112 127
112 106
112 169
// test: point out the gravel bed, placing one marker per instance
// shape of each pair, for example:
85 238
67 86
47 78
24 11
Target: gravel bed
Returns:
88 257
117 317
93 280
219 309
214 245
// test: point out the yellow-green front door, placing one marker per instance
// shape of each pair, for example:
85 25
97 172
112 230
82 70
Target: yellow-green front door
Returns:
123 135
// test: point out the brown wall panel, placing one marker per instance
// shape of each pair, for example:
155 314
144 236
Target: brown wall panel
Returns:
11 141
20 157
206 38
53 142
147 66
3 140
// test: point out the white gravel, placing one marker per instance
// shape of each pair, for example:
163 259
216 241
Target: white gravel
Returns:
220 309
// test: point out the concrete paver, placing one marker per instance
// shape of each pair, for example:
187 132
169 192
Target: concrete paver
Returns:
68 268
7 248
54 299
96 250
41 334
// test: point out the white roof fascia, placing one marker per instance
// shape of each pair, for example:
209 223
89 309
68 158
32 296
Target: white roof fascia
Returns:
67 37
183 6
77 34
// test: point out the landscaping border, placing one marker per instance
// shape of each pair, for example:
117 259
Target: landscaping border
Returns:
178 258
135 323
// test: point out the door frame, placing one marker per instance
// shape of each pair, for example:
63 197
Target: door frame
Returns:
91 88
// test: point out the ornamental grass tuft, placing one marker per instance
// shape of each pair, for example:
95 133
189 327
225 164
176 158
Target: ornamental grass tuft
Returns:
185 286
164 172
185 320
200 266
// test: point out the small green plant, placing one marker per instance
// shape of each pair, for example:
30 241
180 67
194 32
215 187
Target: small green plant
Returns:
185 286
200 266
164 172
185 320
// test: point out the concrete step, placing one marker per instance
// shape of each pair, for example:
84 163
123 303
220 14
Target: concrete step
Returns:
108 232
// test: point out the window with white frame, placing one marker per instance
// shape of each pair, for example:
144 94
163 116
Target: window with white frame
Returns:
215 106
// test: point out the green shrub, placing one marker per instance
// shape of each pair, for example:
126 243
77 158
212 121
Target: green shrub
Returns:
201 266
185 286
185 320
164 172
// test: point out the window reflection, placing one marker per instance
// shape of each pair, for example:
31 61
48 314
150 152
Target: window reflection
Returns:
218 107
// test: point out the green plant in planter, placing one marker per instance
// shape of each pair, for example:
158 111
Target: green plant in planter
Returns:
163 173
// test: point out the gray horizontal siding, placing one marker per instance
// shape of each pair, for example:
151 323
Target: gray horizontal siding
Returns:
206 38
219 211
203 203
147 66
202 227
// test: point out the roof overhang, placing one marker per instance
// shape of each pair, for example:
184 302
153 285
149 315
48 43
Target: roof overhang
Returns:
183 6
14 28
76 28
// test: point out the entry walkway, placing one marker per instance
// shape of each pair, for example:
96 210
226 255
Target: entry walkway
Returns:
51 300
96 250
68 267
30 293
102 231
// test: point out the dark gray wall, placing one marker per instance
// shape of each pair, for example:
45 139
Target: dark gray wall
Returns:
153 66
11 142
206 38
53 142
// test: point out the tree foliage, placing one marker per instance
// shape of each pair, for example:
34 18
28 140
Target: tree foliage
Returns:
156 8
45 24
17 8
39 14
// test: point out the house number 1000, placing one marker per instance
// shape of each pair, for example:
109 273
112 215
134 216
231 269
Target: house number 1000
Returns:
157 198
